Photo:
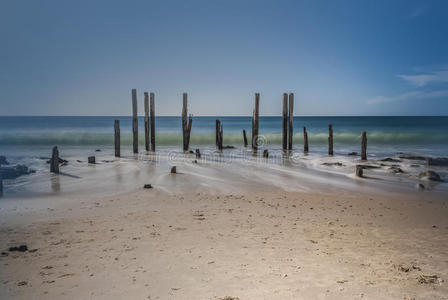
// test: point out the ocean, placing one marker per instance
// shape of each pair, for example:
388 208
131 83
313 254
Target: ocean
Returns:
29 140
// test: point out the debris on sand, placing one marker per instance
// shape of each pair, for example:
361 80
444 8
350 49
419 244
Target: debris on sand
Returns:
429 279
21 248
229 298
147 186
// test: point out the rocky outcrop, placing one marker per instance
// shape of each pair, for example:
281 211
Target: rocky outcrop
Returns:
15 171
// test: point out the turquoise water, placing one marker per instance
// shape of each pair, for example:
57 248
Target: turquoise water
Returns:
388 131
386 135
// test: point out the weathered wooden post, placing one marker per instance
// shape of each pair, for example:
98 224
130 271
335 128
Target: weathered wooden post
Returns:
186 125
305 140
266 153
91 160
153 122
134 120
359 171
255 122
330 139
285 121
117 137
216 133
54 161
244 138
364 146
291 120
146 121
219 133
1 185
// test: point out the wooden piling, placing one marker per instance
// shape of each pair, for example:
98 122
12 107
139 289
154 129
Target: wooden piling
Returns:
134 121
153 121
330 139
285 121
1 185
117 137
359 171
219 134
54 161
244 138
216 132
255 119
91 160
266 153
146 121
186 125
291 120
305 140
364 146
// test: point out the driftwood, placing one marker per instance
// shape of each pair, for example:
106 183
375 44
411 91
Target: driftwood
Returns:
330 139
305 140
364 146
54 161
291 120
153 122
285 122
255 119
186 125
117 137
134 121
146 121
244 138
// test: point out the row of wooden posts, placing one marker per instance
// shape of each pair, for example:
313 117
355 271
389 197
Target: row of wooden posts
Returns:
187 120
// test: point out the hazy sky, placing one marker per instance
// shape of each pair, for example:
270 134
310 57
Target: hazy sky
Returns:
358 57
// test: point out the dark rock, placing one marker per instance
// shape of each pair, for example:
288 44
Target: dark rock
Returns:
21 248
369 167
353 153
80 161
173 170
430 175
98 150
388 159
91 159
4 253
191 152
333 164
3 160
14 172
414 166
228 147
421 186
195 161
147 186
410 157
439 161
107 161
396 170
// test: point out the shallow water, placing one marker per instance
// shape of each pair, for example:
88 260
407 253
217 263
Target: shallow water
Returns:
28 140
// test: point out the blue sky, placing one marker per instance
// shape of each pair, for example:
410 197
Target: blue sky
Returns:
338 57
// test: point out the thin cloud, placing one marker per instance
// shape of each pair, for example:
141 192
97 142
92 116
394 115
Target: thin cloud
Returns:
416 12
415 95
420 80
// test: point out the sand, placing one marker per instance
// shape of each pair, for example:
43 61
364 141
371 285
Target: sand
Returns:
264 243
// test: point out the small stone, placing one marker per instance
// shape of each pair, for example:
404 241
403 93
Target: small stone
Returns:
22 283
147 186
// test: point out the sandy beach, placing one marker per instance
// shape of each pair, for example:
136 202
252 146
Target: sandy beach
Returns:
259 243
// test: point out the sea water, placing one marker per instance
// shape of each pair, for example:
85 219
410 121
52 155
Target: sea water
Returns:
29 140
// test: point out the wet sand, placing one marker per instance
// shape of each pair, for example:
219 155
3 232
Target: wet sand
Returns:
257 243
